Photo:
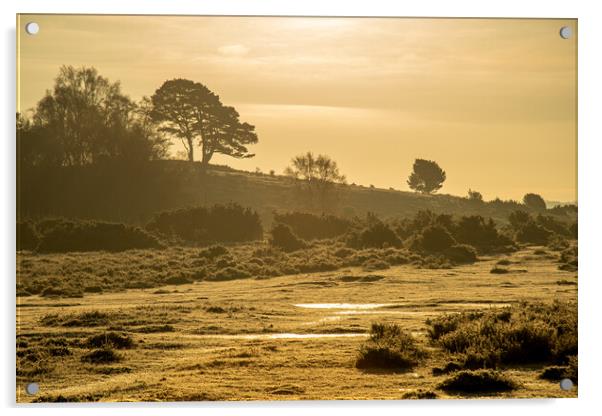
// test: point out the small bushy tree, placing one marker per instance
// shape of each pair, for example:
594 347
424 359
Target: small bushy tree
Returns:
534 201
316 177
427 177
475 196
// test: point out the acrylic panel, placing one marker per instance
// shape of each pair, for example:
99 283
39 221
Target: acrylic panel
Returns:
216 208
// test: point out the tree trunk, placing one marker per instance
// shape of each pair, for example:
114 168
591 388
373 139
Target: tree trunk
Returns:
207 155
190 150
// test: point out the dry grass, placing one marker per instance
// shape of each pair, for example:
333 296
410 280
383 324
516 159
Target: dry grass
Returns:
224 345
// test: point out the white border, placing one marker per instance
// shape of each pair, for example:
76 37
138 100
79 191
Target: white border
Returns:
590 133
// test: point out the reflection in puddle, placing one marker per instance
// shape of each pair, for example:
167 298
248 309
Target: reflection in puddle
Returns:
476 305
388 312
343 305
285 336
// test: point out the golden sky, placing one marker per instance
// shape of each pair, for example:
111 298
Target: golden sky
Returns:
493 101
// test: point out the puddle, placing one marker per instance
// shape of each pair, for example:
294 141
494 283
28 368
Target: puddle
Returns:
482 305
388 312
285 336
343 305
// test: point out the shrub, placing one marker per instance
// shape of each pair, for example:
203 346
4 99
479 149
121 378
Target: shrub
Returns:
377 235
27 236
482 381
461 253
480 233
213 252
110 339
202 225
309 226
84 319
61 236
499 270
178 280
552 224
229 273
557 243
553 373
448 368
153 329
435 238
419 394
572 370
284 238
569 259
526 333
391 348
533 233
101 356
375 264
519 218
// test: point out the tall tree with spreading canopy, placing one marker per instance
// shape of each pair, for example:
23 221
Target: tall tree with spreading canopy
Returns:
191 112
427 177
317 176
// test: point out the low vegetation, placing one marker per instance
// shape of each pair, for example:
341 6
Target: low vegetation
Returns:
61 236
201 225
526 333
390 348
481 381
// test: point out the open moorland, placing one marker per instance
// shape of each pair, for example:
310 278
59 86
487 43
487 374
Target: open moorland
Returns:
297 336
143 278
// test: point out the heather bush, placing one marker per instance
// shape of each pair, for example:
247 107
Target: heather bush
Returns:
435 238
481 381
309 226
533 233
377 235
461 253
282 237
390 348
74 235
205 225
526 333
480 233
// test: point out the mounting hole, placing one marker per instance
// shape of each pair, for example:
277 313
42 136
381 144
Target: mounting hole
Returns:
32 28
32 388
566 32
566 384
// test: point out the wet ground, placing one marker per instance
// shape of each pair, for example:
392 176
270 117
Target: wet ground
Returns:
290 337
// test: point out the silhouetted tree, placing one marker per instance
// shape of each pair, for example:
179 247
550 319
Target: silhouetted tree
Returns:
535 202
317 175
85 119
191 112
427 177
225 134
475 196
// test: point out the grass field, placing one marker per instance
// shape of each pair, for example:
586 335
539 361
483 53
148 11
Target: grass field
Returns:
282 338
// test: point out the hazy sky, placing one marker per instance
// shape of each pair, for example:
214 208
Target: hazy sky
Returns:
492 101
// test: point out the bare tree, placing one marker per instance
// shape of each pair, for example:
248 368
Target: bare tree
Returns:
317 177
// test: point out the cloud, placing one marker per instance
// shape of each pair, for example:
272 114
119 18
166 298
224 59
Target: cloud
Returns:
233 50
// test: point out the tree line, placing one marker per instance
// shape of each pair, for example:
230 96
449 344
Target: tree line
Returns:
86 119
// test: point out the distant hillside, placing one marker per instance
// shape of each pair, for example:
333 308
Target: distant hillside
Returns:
135 192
